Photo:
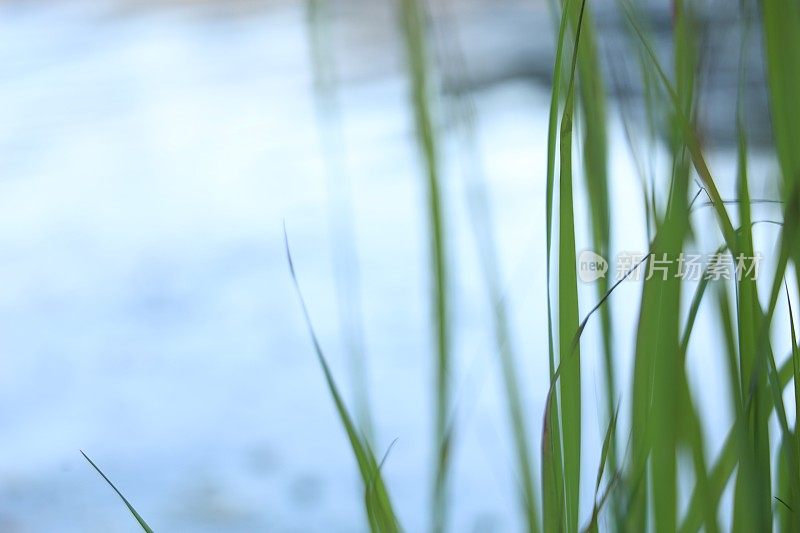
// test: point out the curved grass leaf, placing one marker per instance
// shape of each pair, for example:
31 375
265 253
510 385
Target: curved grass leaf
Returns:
135 514
607 441
340 210
380 512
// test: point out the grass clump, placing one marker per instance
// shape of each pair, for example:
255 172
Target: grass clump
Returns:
637 486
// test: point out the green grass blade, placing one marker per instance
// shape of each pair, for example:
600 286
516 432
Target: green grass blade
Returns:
380 512
789 453
728 323
135 514
610 431
747 290
550 470
755 489
725 464
658 372
552 460
694 308
693 435
688 134
595 172
570 385
795 358
753 484
483 230
789 447
413 29
552 467
340 211
782 50
607 443
781 18
660 397
785 507
658 340
782 53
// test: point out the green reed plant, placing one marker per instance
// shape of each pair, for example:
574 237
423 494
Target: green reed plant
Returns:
636 485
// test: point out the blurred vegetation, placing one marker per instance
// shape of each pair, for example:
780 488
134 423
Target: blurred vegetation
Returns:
636 483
